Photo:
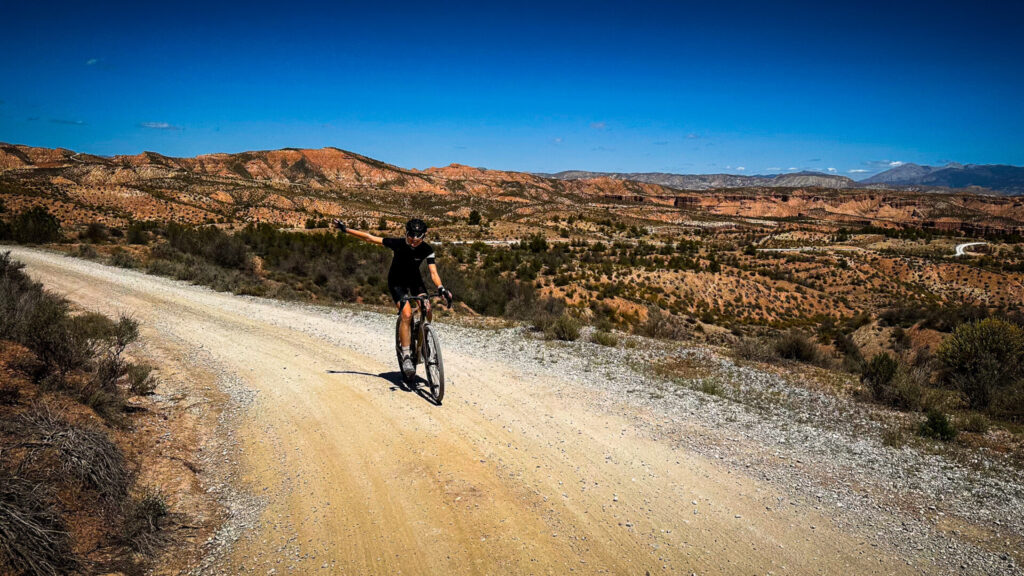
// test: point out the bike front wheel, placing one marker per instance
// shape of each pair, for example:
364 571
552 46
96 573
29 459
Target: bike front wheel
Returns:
433 363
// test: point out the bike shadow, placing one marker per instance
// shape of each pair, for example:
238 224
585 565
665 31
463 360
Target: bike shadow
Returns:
397 382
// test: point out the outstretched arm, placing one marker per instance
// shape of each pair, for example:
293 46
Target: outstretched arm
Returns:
357 233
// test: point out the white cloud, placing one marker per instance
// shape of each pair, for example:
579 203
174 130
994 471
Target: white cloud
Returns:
557 140
740 168
159 126
92 61
598 125
832 170
858 171
895 163
693 136
773 169
792 168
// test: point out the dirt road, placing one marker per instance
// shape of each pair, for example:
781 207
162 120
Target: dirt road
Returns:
516 474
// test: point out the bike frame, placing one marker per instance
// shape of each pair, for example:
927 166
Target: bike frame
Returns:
416 328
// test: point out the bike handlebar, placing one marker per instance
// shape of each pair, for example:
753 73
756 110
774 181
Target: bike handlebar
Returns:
421 298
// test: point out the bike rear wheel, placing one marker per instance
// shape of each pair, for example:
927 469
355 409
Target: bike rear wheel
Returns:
433 363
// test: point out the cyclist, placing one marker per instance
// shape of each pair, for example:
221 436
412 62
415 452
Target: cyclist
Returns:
404 277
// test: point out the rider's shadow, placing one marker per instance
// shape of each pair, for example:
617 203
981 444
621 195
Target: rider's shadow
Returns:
396 381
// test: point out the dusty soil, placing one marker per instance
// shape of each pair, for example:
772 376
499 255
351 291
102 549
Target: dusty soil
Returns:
325 465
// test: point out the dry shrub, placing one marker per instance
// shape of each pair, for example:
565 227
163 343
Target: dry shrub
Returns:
604 338
974 422
565 328
661 325
142 523
797 346
754 349
86 454
9 394
140 379
33 538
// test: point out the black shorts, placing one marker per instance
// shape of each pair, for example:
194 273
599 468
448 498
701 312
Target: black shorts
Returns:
399 291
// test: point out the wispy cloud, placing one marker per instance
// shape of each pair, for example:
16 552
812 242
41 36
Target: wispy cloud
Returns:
883 163
557 140
740 168
67 122
159 126
692 136
602 149
773 169
598 125
661 143
832 170
92 61
858 171
792 168
815 160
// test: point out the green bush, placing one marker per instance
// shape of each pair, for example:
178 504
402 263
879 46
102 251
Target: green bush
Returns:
35 226
797 346
140 379
139 232
122 259
985 361
938 426
565 327
604 338
975 422
879 373
95 233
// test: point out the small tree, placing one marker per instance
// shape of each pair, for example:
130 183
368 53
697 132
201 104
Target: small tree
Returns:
985 361
35 226
474 218
382 224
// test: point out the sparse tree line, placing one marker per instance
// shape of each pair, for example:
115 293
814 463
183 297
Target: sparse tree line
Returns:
511 281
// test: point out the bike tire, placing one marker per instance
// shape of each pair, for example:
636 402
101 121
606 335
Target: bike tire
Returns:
433 363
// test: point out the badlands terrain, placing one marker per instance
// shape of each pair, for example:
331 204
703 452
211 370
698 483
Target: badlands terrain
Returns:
643 379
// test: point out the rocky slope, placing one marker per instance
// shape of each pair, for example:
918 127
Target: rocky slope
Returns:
291 185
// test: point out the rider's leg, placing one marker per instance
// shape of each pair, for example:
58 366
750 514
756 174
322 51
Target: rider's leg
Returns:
405 331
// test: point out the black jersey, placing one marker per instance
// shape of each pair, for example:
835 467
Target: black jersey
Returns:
405 265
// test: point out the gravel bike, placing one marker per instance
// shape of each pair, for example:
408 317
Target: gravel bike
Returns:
426 349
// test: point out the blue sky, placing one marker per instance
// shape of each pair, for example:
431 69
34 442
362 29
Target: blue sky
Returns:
739 87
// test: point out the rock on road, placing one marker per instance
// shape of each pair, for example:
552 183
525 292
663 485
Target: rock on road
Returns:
515 474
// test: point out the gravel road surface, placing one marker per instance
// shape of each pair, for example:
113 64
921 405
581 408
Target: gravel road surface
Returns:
544 459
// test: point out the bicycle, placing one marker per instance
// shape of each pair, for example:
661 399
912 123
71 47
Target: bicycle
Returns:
425 347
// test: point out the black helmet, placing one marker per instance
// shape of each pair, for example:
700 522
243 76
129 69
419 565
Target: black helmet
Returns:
416 228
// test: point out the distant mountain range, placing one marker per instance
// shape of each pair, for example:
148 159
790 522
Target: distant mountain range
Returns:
712 181
996 178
